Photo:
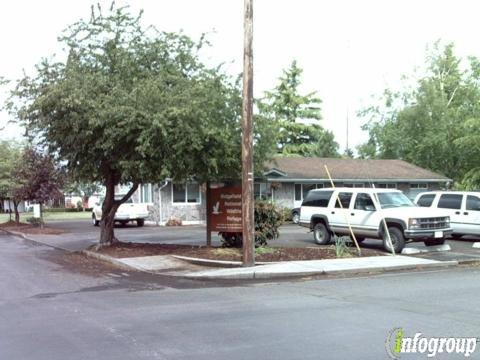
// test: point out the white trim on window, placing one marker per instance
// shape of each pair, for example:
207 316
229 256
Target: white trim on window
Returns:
354 185
185 202
418 186
146 194
386 185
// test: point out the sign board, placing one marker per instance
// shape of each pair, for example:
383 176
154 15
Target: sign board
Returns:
225 210
36 211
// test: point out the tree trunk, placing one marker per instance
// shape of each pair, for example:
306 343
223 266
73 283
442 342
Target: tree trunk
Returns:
41 215
17 215
109 208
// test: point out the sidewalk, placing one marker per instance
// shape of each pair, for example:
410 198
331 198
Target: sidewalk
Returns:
294 268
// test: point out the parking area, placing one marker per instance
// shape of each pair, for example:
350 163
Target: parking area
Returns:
80 234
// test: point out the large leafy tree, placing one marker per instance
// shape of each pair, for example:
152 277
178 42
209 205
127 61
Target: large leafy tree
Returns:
297 118
430 125
131 105
37 178
10 155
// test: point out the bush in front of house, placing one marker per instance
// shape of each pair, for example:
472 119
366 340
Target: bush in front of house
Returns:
286 214
35 221
61 210
268 219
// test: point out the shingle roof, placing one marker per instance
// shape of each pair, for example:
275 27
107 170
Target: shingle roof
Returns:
350 169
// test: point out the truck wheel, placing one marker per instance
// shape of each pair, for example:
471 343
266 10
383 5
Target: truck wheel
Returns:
95 222
433 242
140 222
398 241
321 234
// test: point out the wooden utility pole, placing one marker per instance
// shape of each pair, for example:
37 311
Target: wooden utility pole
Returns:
248 228
208 205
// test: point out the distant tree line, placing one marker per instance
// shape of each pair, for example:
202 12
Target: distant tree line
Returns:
436 123
27 174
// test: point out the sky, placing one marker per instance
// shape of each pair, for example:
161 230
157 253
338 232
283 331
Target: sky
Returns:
350 50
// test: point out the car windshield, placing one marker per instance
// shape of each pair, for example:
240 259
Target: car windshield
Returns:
393 199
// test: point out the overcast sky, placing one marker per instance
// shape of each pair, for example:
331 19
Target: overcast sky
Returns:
349 49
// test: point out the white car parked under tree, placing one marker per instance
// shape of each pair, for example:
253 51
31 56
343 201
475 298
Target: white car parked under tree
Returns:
128 211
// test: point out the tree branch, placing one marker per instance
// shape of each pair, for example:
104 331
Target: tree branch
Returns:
127 195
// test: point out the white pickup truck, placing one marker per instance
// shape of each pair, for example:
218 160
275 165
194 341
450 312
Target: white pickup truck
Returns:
128 211
328 212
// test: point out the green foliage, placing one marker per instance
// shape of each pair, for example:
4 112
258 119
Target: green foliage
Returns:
264 250
61 210
434 125
10 154
342 247
37 177
268 218
286 214
132 105
35 221
295 118
82 188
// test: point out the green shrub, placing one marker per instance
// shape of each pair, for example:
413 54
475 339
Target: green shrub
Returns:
268 219
60 210
35 221
286 214
342 246
264 250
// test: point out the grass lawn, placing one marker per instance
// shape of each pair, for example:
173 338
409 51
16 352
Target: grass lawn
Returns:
50 216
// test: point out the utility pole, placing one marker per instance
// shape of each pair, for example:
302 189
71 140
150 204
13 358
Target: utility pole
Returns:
348 148
248 228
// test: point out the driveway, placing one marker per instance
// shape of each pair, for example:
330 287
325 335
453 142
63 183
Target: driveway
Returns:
81 234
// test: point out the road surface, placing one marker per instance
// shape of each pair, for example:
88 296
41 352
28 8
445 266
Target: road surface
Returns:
62 306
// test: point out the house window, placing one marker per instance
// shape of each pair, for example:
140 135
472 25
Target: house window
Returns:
418 186
260 191
186 193
386 186
146 193
301 190
354 185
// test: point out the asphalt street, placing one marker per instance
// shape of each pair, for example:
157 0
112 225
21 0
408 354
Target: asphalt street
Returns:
54 305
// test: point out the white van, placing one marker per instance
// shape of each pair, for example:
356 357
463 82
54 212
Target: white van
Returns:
463 207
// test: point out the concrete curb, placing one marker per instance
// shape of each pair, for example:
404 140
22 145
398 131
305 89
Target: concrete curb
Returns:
217 263
253 275
109 259
35 241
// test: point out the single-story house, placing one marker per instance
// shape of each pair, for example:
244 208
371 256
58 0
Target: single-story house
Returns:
288 180
7 206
